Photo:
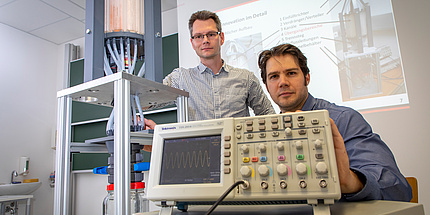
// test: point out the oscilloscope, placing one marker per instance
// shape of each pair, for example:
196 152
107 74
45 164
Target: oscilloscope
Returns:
283 158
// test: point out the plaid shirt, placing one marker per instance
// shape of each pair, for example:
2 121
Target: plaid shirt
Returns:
229 93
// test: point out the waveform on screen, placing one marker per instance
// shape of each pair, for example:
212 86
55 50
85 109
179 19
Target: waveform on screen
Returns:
184 160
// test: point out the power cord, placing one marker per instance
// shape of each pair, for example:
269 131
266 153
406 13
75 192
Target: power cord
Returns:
223 196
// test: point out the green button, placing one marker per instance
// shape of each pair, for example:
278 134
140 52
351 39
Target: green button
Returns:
300 157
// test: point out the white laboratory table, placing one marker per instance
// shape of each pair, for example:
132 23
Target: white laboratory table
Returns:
15 198
376 207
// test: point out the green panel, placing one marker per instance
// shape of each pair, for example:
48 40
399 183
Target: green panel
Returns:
85 161
170 53
84 111
76 72
163 117
88 131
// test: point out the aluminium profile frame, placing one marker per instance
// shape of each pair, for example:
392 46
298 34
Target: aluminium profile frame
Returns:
120 86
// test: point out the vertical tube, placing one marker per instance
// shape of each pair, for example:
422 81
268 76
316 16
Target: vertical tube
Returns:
113 55
133 110
94 28
28 207
2 208
118 57
141 71
121 45
133 62
139 108
122 146
182 109
128 57
62 168
109 126
153 40
369 25
358 33
108 70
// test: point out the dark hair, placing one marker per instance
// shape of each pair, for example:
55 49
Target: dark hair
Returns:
203 15
280 50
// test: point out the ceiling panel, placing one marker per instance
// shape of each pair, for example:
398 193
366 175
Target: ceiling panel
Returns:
29 15
4 2
68 7
81 3
62 31
58 21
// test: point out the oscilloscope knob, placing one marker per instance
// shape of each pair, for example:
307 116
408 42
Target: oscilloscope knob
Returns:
245 148
263 170
245 171
282 169
301 169
321 168
299 144
318 144
280 146
262 147
288 131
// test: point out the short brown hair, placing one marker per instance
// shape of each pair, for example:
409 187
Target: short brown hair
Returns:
203 15
280 50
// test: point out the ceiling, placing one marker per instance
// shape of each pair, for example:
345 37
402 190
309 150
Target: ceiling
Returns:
56 21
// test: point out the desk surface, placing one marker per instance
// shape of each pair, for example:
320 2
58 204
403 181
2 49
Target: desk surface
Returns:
340 208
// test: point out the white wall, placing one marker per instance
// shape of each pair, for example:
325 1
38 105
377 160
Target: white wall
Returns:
27 111
404 131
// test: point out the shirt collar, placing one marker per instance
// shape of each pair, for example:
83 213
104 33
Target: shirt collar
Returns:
202 68
309 103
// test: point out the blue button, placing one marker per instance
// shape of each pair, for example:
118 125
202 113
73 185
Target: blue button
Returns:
263 158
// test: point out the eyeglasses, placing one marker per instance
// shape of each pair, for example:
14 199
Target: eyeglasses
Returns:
210 35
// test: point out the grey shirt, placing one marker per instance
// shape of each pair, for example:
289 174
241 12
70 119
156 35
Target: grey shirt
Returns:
229 93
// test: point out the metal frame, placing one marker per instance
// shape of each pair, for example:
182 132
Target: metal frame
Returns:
118 87
93 78
7 199
62 169
153 41
122 146
94 39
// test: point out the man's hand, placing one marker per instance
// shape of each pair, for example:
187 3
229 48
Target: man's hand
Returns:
349 181
149 124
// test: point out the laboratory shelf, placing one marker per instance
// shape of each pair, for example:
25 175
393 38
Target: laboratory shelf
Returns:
116 91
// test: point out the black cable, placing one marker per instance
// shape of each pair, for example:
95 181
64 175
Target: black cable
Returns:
223 196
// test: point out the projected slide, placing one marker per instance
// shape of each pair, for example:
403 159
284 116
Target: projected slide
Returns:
351 46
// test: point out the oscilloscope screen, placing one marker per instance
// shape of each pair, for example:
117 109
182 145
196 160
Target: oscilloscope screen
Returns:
191 160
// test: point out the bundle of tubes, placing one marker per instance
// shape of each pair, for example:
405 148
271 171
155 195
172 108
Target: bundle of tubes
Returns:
117 58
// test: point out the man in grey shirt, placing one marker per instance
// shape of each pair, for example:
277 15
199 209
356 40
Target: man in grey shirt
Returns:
216 89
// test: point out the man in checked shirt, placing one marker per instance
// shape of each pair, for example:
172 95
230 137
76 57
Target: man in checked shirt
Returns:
217 90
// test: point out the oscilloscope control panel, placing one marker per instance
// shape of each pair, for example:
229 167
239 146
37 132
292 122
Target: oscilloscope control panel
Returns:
283 158
288 156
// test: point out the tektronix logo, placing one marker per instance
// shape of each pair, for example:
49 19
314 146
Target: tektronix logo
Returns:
168 128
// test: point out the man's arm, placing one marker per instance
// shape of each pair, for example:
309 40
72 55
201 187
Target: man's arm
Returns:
370 161
172 79
149 124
